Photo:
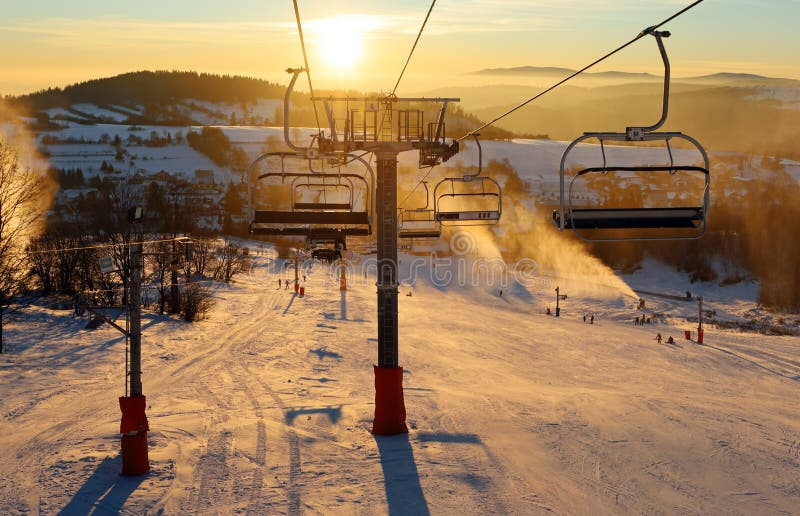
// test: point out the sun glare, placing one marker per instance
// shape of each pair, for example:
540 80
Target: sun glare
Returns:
341 40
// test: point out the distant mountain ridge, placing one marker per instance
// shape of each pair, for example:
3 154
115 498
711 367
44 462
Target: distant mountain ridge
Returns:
551 71
145 87
183 98
557 71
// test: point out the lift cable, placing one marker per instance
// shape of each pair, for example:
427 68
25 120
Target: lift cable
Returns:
413 47
305 59
106 246
642 34
394 90
408 60
402 203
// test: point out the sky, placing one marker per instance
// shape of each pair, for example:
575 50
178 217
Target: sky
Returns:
362 44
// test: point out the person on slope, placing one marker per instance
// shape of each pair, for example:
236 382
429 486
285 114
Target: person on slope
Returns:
658 337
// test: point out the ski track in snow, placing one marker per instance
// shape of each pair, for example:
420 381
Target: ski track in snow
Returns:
266 408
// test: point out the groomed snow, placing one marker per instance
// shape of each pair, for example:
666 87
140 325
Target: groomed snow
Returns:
266 406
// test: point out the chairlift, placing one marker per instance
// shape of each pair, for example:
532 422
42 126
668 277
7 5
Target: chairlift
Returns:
419 222
323 187
679 222
317 220
472 188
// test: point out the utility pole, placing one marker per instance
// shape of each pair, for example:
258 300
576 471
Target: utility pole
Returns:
700 320
296 266
558 309
135 314
559 297
134 425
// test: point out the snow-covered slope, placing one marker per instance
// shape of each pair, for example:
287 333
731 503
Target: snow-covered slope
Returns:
266 406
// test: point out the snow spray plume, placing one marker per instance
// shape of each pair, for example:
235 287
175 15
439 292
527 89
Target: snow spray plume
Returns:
31 169
562 257
526 235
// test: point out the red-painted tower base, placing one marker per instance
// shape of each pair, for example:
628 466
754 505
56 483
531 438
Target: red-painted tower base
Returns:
390 409
133 428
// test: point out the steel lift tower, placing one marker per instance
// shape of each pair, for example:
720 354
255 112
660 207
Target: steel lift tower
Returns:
377 125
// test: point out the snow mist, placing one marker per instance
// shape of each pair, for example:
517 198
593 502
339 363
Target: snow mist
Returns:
17 137
525 234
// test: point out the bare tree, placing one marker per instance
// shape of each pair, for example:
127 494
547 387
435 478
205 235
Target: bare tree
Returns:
161 259
202 258
121 231
42 262
21 191
230 261
197 301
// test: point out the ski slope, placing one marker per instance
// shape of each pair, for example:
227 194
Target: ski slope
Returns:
266 406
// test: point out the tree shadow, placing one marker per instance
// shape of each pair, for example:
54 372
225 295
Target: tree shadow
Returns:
323 353
63 326
333 413
400 476
105 491
441 437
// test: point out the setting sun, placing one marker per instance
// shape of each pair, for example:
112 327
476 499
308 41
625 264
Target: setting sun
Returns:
341 40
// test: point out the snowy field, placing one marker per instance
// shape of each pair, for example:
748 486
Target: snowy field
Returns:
266 406
536 161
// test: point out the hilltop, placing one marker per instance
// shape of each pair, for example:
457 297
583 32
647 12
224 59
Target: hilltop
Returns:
183 98
144 87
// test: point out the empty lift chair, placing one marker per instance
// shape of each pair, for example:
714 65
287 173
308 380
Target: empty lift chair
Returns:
648 223
470 200
419 222
333 220
336 185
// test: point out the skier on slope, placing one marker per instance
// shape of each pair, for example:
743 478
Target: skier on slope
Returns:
658 337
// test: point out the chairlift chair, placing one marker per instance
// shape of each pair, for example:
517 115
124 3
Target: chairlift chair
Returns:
472 187
419 222
324 188
680 222
316 220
